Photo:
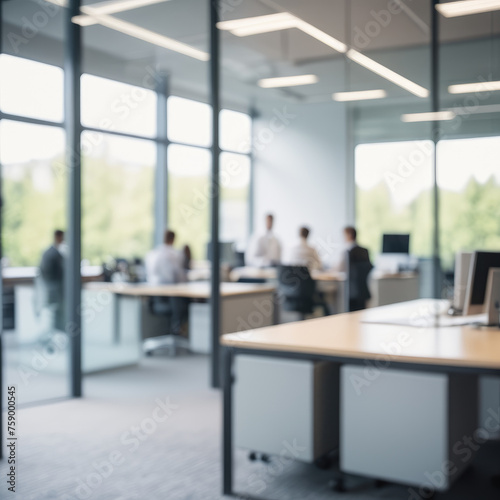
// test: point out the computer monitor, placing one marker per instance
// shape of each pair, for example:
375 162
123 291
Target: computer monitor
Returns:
462 268
396 243
492 301
226 250
480 265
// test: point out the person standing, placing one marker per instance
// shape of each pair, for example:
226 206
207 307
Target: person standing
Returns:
52 278
264 250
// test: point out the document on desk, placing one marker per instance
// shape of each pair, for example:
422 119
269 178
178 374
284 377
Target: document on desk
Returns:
420 317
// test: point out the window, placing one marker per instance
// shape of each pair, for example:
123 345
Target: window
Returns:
234 207
235 131
394 184
118 107
469 189
189 196
117 196
33 189
32 89
189 122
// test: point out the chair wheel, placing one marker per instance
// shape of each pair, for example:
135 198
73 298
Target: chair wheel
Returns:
252 456
323 463
265 458
338 485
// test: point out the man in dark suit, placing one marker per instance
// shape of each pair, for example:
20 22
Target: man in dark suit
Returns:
52 276
358 266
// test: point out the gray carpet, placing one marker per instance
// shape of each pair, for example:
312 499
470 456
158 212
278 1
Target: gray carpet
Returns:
60 445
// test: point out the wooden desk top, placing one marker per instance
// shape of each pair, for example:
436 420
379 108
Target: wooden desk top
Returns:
194 290
346 335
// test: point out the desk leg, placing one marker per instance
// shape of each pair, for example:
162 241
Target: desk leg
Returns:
116 314
227 421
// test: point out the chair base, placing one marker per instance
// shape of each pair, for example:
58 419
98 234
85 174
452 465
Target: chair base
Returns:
171 342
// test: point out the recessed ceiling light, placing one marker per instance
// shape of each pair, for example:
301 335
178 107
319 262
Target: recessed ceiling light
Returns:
437 116
287 81
359 95
467 7
466 88
387 73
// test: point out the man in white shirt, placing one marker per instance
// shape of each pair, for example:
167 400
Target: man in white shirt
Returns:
304 254
264 250
164 264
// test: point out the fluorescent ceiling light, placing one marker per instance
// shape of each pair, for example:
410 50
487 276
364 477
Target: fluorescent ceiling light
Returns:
466 88
261 24
438 116
287 81
467 7
477 110
144 34
276 22
387 73
132 29
112 7
360 95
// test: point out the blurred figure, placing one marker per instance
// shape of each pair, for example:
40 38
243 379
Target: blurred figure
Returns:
356 262
52 279
165 264
186 252
264 250
304 254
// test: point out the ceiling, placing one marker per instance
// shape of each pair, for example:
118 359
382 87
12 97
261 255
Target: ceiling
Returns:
400 42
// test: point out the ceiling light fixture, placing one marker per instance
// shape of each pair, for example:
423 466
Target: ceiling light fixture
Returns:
276 22
466 88
287 81
359 95
467 7
438 116
144 34
112 7
387 73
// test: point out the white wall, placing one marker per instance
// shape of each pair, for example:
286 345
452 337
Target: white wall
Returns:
301 171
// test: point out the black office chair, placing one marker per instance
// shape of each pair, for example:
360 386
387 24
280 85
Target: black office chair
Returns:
297 289
359 293
175 310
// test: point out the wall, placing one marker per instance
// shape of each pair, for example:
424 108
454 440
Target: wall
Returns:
300 171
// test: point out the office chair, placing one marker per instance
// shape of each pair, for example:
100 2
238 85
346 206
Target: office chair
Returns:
173 309
359 293
297 289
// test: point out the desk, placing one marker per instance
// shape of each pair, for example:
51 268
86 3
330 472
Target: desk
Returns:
346 339
243 306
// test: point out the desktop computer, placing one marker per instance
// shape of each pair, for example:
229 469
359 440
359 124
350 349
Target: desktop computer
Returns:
462 269
226 251
475 297
396 243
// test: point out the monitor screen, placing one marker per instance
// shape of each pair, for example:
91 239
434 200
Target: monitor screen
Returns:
482 262
396 243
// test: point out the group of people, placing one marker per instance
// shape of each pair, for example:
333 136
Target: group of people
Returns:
266 250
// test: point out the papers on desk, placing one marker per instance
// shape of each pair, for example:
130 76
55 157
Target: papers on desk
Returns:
420 316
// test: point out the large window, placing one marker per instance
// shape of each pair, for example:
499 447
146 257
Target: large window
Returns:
469 186
189 162
32 89
394 193
33 189
117 196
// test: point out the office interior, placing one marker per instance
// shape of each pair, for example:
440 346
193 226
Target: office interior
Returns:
387 119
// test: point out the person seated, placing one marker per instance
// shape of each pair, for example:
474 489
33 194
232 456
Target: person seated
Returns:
304 254
264 250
